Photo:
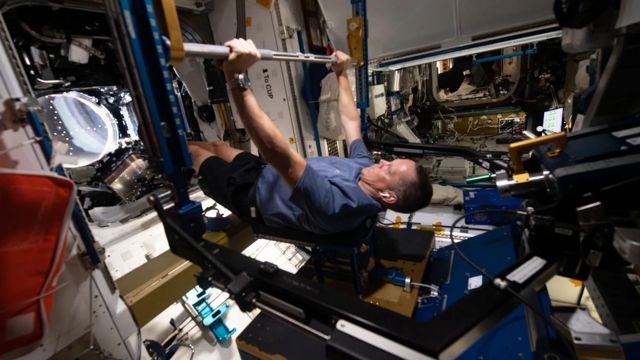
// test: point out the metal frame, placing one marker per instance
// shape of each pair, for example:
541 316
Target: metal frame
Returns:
359 8
474 48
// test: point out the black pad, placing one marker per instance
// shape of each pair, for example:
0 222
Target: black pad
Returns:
345 239
403 244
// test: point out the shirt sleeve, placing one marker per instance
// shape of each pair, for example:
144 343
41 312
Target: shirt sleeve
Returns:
358 151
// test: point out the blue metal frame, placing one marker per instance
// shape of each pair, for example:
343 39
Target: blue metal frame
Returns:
151 62
359 8
478 200
509 338
506 56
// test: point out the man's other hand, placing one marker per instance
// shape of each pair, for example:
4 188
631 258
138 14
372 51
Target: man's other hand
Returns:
342 65
242 54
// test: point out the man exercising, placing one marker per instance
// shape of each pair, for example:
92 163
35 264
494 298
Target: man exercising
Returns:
321 195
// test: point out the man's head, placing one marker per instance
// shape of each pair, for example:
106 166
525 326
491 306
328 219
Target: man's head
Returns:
400 185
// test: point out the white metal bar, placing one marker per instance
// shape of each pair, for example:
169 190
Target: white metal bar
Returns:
222 52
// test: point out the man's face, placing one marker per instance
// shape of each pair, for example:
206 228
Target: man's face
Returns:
385 175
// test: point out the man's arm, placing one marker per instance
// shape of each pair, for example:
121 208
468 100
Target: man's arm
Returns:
346 104
271 144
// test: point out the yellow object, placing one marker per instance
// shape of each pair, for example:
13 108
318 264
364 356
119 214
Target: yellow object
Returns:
248 21
437 227
576 283
220 115
516 150
265 3
521 178
173 31
355 36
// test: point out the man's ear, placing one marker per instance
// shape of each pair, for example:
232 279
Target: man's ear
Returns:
388 197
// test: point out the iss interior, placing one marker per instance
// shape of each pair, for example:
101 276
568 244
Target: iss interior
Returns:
524 114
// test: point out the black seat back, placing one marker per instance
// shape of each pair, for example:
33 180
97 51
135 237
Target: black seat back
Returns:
344 239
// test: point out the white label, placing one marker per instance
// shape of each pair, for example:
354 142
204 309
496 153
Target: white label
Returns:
526 270
578 123
634 141
627 132
474 282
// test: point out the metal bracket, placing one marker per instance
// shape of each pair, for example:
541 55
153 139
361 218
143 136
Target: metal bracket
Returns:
287 32
516 150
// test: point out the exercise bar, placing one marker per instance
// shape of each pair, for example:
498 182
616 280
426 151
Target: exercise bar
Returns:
222 52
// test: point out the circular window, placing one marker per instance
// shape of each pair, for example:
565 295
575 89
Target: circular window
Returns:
81 130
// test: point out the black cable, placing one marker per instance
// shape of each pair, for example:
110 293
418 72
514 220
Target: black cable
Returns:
409 220
580 295
484 273
173 349
455 246
139 357
212 207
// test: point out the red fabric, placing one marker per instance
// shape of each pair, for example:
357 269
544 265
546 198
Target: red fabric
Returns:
34 215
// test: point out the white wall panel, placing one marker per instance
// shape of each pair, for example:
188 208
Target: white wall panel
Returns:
270 80
489 16
400 26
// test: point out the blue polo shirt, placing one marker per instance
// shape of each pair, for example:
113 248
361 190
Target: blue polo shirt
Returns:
326 199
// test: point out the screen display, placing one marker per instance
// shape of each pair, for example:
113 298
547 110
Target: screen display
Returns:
552 121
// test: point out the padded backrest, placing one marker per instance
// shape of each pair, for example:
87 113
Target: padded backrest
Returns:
401 243
299 237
